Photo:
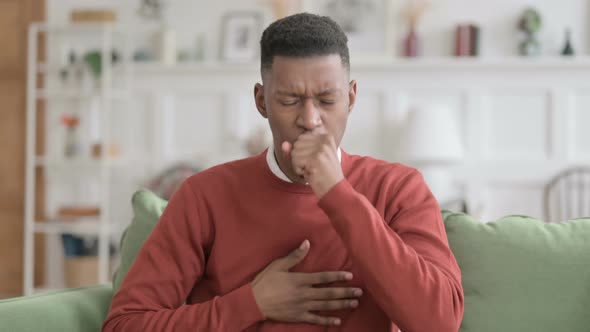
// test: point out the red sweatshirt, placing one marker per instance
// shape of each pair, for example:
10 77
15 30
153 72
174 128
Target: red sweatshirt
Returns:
226 224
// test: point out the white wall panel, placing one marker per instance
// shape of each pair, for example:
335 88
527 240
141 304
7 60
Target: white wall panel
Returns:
516 130
364 130
505 199
192 125
141 136
580 126
517 126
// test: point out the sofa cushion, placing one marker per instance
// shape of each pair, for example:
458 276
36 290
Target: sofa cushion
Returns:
520 274
147 209
71 310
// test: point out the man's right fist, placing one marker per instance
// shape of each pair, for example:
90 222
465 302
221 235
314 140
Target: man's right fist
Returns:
289 297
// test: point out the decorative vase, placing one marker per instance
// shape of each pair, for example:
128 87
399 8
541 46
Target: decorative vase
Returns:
568 49
411 44
166 45
72 144
530 23
530 46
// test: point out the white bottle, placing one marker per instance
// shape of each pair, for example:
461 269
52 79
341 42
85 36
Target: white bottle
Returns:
166 46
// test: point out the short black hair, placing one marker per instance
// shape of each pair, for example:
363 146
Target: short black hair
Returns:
303 35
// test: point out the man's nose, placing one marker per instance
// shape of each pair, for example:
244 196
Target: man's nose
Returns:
309 116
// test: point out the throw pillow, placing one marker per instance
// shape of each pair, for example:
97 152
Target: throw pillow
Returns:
147 209
521 274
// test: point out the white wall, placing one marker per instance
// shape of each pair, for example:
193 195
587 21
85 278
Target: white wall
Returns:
517 131
520 122
497 19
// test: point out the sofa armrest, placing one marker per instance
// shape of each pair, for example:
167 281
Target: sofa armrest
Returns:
79 309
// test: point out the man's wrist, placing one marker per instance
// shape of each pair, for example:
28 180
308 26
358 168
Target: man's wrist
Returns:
323 189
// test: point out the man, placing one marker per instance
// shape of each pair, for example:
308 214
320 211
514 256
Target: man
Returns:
303 237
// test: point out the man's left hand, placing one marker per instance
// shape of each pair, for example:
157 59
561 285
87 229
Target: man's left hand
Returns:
314 157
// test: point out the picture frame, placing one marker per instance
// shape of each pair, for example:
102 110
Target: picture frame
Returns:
368 24
240 35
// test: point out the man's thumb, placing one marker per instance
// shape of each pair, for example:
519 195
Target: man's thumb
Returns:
286 147
295 257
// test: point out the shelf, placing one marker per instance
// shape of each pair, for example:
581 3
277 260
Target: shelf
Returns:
80 162
76 227
76 92
117 69
84 226
98 27
75 95
508 62
383 63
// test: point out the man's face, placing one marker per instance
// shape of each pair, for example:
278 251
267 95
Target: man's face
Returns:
305 94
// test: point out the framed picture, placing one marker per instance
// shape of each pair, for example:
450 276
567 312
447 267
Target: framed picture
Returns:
240 36
368 24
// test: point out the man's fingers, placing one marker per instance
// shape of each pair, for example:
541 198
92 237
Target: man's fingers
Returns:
319 320
332 293
296 256
315 278
331 305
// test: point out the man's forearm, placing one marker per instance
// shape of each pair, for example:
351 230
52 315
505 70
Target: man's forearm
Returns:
411 278
235 311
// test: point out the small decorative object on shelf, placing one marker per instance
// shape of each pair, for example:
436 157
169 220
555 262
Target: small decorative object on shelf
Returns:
93 16
75 211
113 151
530 23
283 8
239 36
413 13
165 40
467 40
568 49
72 74
81 260
72 143
93 59
151 9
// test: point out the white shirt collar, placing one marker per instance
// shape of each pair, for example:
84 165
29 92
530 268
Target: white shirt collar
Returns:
274 165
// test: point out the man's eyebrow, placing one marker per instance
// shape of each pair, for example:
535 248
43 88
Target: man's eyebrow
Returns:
329 92
321 94
287 93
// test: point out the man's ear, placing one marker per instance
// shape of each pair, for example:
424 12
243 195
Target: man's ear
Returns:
259 100
351 95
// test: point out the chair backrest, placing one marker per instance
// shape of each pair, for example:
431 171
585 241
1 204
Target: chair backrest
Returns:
567 195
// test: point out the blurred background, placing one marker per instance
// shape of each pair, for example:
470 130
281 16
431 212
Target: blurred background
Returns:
489 99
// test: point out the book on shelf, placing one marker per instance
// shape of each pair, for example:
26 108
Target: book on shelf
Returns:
73 212
467 40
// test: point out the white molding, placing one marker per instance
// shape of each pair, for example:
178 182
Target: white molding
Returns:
558 124
573 123
545 95
570 124
380 64
473 122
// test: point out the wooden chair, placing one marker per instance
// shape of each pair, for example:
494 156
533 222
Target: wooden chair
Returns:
567 195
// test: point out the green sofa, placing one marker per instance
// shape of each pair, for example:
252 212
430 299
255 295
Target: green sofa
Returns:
519 274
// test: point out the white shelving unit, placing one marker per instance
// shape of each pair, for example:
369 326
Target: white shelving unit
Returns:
104 93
